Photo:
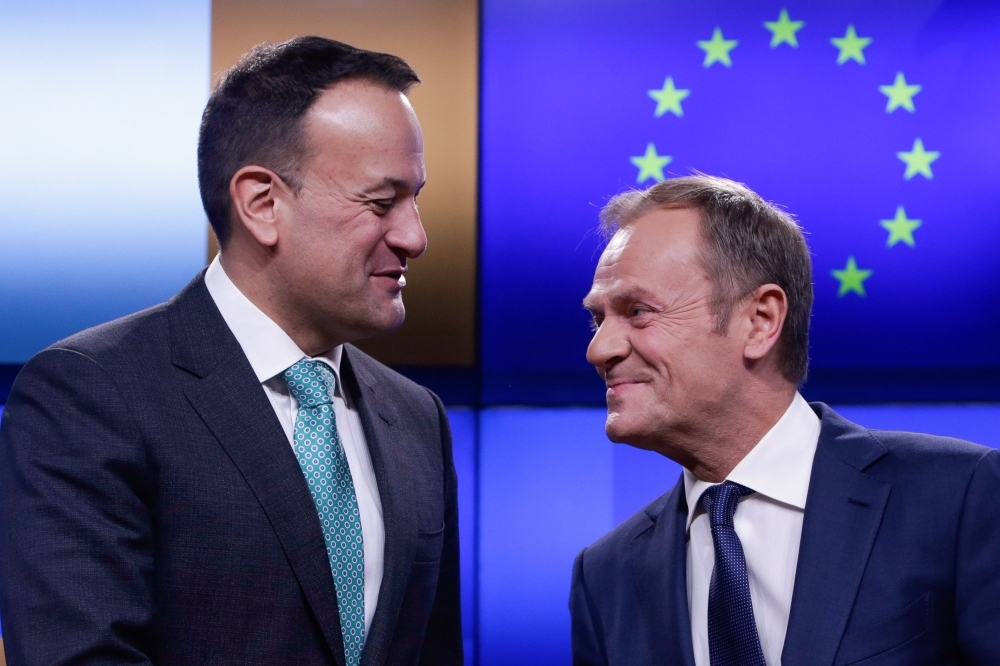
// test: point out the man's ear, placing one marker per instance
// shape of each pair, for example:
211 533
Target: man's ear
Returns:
257 194
767 306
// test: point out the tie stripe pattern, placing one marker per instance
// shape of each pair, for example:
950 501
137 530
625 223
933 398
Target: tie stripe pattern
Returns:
732 630
321 457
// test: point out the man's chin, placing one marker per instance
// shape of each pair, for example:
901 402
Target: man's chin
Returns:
618 429
633 428
384 319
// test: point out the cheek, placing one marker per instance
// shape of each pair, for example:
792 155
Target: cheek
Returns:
337 249
688 355
662 348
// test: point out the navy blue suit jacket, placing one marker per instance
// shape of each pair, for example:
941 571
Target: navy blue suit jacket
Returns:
899 562
153 512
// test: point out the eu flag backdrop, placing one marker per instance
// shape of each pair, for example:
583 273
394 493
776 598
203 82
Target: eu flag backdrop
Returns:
874 123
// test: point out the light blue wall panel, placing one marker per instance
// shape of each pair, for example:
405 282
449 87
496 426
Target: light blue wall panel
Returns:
545 493
639 477
100 110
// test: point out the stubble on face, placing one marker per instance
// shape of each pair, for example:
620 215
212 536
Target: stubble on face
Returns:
354 224
655 344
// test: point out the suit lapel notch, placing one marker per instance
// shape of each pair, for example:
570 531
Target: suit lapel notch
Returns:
854 445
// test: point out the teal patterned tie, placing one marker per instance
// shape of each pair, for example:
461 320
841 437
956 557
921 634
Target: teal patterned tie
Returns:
321 457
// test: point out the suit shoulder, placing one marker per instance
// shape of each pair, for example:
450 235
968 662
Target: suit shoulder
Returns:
922 449
116 340
920 461
898 454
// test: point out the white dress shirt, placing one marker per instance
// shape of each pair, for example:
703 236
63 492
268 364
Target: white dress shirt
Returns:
768 523
271 352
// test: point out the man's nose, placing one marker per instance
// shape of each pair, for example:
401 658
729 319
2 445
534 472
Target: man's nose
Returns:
406 233
608 346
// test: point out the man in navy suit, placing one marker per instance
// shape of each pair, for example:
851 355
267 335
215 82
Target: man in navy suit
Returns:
224 479
794 536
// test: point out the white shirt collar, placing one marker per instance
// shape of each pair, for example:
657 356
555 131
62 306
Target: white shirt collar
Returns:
779 466
268 348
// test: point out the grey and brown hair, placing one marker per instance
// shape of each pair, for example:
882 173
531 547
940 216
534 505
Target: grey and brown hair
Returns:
749 243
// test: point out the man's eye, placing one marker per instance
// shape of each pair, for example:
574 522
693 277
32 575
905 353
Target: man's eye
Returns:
382 206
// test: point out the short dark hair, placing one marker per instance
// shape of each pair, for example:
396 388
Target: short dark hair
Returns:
749 243
254 115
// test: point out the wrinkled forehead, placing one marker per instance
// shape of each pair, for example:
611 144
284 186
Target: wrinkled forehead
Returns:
658 255
664 237
616 247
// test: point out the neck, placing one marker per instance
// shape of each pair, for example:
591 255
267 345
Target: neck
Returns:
253 275
712 451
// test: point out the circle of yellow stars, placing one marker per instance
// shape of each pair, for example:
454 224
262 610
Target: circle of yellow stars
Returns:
850 48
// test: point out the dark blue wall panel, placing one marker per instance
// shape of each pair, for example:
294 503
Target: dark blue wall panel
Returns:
566 106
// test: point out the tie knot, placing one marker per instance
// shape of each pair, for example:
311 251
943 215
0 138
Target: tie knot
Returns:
311 382
720 502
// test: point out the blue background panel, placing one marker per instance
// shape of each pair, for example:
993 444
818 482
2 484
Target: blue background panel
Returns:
551 483
463 437
805 132
546 491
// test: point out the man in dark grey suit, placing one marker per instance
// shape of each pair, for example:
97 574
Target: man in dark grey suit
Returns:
223 478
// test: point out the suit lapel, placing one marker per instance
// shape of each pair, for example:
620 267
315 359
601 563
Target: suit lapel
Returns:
843 512
662 600
379 419
233 405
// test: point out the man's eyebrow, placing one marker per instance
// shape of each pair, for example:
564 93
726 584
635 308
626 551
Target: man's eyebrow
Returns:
394 183
633 294
630 295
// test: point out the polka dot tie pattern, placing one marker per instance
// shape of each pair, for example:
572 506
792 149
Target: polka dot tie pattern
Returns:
732 630
321 457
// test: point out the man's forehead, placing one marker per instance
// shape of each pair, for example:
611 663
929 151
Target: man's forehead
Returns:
658 237
371 144
360 112
648 255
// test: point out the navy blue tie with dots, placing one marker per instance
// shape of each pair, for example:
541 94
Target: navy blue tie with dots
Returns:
732 631
324 464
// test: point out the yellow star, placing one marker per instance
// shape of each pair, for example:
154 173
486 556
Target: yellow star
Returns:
851 279
918 160
900 94
717 49
851 46
783 30
900 228
650 165
669 98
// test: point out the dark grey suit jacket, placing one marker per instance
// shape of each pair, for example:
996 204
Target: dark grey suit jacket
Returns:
152 511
